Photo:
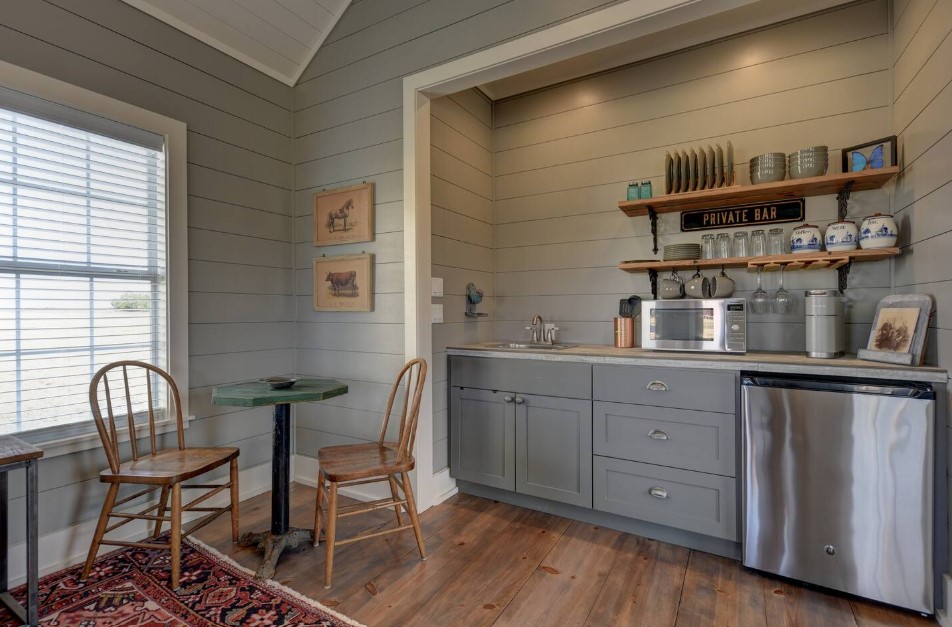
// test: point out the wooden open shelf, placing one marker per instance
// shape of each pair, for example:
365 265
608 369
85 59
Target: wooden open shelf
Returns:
765 192
799 261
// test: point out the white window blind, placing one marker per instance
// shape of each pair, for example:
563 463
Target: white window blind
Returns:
82 263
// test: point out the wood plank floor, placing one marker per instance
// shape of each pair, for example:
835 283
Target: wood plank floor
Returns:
495 564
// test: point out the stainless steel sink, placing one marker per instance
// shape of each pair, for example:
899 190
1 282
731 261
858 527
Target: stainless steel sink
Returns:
534 346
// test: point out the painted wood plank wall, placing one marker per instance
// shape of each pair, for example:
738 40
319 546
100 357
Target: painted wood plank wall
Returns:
922 99
462 233
240 196
564 156
347 129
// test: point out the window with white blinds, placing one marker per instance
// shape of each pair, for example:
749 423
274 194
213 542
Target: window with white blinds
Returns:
83 272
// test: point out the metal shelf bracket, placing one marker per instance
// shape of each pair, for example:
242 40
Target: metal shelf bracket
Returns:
842 199
653 217
843 273
653 279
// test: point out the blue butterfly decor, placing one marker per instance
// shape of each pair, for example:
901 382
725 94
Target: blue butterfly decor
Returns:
860 162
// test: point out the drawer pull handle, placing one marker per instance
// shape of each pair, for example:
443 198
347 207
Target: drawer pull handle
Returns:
508 399
658 493
658 434
520 400
658 386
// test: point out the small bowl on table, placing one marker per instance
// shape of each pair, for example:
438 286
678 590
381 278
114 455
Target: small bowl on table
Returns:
280 383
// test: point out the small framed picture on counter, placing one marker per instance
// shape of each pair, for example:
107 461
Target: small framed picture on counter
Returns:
899 330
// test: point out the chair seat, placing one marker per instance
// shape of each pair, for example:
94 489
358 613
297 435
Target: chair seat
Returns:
361 461
170 466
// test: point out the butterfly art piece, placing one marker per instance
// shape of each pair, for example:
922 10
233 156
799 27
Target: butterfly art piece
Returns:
874 155
861 162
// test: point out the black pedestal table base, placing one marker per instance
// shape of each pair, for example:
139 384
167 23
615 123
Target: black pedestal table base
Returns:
273 545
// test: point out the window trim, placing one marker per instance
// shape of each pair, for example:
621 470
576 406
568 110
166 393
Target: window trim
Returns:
175 134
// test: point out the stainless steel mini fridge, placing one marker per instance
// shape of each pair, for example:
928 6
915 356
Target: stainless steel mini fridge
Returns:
838 485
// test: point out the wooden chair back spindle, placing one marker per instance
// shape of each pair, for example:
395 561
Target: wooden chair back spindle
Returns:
108 433
413 377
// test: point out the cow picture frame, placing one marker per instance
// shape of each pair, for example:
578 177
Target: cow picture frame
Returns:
344 215
344 283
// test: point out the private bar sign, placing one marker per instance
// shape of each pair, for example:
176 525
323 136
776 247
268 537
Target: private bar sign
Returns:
742 215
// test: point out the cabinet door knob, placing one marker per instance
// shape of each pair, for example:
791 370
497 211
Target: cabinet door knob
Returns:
520 400
658 386
658 434
658 492
508 399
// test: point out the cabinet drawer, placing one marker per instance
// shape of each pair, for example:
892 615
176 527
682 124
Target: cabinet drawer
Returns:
563 379
687 500
682 438
707 390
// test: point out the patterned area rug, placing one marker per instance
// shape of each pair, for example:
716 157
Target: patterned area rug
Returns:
130 587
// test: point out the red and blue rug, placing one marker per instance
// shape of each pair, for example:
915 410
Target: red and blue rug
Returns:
130 588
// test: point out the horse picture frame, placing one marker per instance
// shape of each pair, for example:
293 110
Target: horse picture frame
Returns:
344 283
344 215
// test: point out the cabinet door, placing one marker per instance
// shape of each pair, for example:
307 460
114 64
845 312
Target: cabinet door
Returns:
482 437
554 448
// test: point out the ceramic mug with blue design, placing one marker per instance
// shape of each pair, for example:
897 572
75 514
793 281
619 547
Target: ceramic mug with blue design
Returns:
806 238
878 231
842 236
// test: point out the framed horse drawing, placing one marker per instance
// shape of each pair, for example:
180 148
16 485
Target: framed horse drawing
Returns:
344 215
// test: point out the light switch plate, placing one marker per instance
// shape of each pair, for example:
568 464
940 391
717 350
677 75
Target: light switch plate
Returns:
436 286
437 310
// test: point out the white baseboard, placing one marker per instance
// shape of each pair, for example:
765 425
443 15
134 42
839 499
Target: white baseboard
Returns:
69 546
444 486
943 615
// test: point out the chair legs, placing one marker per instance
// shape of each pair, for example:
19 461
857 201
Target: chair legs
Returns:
234 500
412 511
329 537
160 511
100 528
176 540
396 497
318 511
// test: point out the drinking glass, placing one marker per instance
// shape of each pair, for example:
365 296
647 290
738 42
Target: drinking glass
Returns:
758 243
759 300
723 248
776 244
741 247
782 299
707 247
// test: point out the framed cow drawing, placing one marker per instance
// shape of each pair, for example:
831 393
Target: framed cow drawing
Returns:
344 283
344 215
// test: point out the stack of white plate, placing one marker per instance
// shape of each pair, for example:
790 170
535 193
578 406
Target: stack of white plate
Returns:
679 252
768 168
808 162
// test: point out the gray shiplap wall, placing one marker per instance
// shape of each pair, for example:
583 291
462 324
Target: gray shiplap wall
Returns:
348 128
239 185
564 155
462 232
922 100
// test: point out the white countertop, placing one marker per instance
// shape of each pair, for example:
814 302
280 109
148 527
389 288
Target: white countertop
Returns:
794 363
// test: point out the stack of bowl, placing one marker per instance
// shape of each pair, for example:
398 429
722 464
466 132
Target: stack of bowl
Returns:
768 168
808 162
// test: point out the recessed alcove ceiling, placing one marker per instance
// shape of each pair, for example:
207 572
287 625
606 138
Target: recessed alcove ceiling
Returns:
277 37
744 18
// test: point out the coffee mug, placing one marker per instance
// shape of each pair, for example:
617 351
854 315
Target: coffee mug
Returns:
672 287
698 287
722 286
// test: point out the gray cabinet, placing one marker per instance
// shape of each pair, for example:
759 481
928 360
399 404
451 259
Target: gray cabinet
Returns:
554 448
523 426
482 437
679 388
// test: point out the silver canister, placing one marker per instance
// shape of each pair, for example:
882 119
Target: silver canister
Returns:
825 324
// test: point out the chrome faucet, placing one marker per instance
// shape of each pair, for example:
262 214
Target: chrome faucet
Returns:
544 332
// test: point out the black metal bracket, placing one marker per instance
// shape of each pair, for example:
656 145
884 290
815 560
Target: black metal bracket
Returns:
653 279
843 273
842 199
653 217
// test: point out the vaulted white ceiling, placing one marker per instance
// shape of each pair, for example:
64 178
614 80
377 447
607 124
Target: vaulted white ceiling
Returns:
277 37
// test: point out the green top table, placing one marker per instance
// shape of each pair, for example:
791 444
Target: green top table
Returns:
259 394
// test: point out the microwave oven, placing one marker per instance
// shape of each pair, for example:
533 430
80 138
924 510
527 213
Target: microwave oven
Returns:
717 325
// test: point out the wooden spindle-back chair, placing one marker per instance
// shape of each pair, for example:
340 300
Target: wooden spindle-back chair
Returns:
383 460
159 469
